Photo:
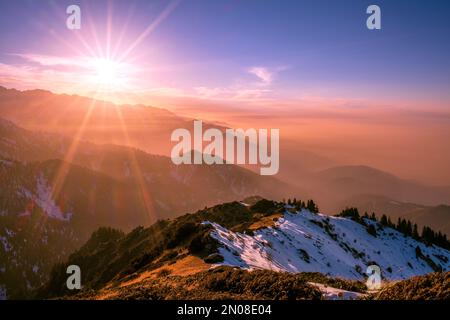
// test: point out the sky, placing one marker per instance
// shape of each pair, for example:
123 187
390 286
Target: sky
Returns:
309 67
250 52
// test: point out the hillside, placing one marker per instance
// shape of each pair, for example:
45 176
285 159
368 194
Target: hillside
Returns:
171 190
102 185
434 286
39 228
264 236
335 246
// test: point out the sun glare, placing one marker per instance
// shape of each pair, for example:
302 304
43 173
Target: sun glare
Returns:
108 73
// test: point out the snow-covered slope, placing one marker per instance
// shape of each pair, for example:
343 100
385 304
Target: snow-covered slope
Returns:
335 246
43 199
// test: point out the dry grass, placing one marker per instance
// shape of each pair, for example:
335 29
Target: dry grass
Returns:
265 222
186 266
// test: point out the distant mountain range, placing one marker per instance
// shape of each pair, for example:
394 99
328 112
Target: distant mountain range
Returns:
346 181
147 128
170 189
59 185
437 217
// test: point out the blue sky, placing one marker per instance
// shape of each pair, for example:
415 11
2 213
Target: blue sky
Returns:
282 49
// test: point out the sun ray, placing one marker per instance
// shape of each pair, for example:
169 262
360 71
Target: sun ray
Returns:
100 51
166 12
70 154
108 29
123 31
102 61
58 11
136 171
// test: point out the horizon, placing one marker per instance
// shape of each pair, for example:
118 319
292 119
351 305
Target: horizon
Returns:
327 56
228 150
308 140
334 88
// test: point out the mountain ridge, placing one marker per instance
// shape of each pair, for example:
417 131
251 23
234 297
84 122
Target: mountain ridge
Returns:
163 249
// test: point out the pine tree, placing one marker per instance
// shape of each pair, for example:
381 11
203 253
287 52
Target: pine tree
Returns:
390 223
311 206
398 227
384 220
415 233
409 229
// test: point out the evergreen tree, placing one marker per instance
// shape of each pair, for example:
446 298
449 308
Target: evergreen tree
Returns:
409 230
311 206
351 213
390 223
415 233
399 224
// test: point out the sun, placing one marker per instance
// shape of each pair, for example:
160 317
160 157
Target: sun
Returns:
108 73
106 70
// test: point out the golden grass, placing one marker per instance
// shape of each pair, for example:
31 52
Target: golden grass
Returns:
265 222
186 266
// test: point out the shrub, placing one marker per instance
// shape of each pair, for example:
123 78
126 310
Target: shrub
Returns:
351 213
214 258
163 273
371 230
264 206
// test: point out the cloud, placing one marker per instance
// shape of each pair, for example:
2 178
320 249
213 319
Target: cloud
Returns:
264 75
48 60
78 74
244 90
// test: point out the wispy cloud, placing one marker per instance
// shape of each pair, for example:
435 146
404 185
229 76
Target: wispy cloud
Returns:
76 74
263 74
266 75
245 90
49 60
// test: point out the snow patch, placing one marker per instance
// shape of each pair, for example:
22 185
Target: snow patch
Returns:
330 293
45 201
6 245
334 246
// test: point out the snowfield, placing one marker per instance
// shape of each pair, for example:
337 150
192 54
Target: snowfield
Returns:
43 199
335 246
